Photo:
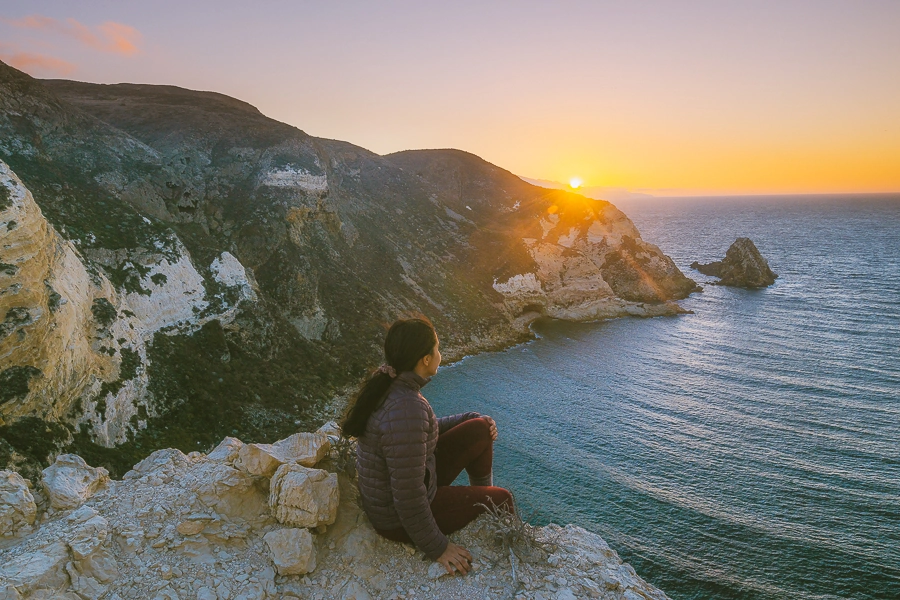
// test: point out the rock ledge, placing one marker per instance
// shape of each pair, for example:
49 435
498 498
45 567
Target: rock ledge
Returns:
196 526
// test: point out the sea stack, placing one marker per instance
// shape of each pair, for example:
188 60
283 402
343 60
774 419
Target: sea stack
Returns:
743 267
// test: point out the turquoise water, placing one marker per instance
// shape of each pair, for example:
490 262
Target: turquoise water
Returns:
750 450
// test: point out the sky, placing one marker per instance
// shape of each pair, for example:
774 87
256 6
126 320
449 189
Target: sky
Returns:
653 97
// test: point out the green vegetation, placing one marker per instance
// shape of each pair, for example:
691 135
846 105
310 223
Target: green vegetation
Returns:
104 312
129 277
131 361
5 198
159 279
54 300
14 382
211 384
8 269
15 317
34 439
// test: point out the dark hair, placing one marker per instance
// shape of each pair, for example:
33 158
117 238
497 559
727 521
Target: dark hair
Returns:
406 342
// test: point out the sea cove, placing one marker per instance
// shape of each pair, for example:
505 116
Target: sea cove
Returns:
748 450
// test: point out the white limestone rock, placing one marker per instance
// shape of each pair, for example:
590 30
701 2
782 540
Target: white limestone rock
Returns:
163 462
295 177
330 429
17 506
354 590
41 569
229 271
227 451
292 551
70 481
228 491
89 532
304 497
264 459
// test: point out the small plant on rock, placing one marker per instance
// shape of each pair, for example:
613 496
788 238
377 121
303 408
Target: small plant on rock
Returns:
343 454
518 538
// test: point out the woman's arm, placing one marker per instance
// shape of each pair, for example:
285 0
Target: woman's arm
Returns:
405 431
445 423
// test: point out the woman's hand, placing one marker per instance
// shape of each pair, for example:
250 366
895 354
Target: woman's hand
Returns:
456 557
493 426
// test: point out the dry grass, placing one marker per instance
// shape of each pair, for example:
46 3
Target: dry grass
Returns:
518 538
343 455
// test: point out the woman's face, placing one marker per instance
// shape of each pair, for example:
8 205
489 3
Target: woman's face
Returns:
431 361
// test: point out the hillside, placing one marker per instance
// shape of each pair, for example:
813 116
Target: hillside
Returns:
203 270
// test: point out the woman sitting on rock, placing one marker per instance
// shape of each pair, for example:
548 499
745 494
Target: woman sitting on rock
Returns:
407 458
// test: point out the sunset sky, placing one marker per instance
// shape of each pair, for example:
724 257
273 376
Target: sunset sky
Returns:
666 98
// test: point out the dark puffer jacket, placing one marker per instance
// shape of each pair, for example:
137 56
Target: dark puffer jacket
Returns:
396 466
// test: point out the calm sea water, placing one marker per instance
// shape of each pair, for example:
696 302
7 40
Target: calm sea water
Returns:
750 450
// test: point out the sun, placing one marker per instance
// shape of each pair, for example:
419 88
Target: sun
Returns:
575 183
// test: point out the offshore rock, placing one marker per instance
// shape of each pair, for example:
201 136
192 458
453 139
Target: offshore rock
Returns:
70 481
743 266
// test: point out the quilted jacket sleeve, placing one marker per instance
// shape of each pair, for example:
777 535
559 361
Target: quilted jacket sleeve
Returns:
445 423
403 438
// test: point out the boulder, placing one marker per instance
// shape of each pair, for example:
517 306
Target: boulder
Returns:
227 451
330 429
264 459
43 568
70 481
167 461
228 491
17 506
292 551
743 266
303 497
89 530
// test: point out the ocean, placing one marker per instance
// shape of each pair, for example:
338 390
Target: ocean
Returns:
749 450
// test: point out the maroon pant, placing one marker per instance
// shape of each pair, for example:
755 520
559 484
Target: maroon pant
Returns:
467 446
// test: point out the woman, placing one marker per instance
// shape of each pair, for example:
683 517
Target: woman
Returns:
407 458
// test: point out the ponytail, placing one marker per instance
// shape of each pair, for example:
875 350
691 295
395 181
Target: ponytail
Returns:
406 342
369 397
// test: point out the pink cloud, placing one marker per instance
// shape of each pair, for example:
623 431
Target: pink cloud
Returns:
116 38
38 64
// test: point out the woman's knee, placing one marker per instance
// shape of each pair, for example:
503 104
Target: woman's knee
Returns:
480 427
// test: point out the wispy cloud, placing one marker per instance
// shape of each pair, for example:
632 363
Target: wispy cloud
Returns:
36 64
116 38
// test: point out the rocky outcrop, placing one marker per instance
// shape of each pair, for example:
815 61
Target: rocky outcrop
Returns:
743 266
171 529
218 273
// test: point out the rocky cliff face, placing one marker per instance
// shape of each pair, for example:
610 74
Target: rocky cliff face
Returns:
252 522
74 346
227 274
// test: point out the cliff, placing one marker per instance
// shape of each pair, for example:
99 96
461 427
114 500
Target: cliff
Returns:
252 522
195 269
